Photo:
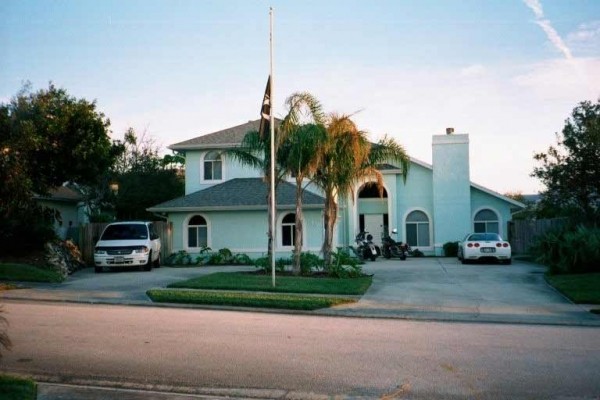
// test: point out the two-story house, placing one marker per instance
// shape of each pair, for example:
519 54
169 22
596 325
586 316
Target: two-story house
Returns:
225 202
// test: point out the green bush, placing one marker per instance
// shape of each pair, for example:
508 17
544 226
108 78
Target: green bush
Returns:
264 264
569 250
451 249
310 263
343 265
242 259
417 253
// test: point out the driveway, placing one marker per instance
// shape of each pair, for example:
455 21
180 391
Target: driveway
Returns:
418 288
444 289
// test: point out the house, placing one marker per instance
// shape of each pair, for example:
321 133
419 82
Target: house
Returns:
225 202
69 209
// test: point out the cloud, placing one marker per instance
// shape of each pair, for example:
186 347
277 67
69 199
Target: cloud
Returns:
586 38
474 70
550 32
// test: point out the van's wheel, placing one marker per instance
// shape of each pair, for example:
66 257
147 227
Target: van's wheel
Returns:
148 265
97 270
157 262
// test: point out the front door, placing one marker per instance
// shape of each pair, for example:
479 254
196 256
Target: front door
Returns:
374 225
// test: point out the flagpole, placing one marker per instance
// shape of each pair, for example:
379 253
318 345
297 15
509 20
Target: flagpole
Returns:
272 126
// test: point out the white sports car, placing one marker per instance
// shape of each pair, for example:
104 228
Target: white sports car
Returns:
483 246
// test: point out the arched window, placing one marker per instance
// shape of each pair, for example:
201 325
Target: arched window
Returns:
486 221
197 232
417 229
288 226
213 166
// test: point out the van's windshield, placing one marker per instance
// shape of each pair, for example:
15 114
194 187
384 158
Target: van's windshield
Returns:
125 232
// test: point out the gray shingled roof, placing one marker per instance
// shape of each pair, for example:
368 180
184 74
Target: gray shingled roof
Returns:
224 138
239 193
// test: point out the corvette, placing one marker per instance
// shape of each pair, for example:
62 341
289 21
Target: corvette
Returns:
484 246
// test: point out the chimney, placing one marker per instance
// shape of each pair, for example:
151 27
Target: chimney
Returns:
449 131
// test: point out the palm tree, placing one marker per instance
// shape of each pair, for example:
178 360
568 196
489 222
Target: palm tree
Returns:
347 158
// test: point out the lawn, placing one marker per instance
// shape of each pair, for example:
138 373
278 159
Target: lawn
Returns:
284 284
28 273
244 299
13 388
581 288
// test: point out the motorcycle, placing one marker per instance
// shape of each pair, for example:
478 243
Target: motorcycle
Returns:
391 248
365 246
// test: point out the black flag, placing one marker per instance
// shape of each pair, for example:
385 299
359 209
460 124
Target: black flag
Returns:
265 112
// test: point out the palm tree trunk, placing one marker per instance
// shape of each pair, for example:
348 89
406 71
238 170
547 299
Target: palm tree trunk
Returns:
298 229
330 216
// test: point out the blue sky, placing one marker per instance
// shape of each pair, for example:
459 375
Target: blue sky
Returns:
506 72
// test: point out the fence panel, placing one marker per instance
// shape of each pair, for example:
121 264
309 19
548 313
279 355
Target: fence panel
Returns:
524 232
89 234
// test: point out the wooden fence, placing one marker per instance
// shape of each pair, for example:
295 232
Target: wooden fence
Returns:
524 232
89 234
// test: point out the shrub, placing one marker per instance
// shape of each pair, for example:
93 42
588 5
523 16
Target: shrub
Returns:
310 263
180 258
451 249
264 264
344 266
241 259
570 250
418 253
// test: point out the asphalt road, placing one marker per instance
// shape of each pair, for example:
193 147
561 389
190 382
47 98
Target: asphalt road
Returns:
326 355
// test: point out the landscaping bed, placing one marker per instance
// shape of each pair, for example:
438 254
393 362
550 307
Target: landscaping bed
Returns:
580 288
244 299
28 273
14 388
251 281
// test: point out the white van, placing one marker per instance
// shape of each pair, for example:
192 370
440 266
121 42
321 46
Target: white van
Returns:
128 244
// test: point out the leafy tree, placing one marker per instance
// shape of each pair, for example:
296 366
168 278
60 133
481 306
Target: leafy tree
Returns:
347 158
571 170
299 154
144 178
46 139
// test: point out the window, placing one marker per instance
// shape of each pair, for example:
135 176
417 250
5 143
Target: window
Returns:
213 166
288 226
417 229
197 232
486 221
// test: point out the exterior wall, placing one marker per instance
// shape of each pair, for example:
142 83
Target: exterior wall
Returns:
69 213
481 200
245 231
194 171
451 189
415 194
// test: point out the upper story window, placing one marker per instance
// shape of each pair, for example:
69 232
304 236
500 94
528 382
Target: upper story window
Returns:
486 221
213 166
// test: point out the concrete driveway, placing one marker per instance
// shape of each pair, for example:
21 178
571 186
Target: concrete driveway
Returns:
418 288
444 289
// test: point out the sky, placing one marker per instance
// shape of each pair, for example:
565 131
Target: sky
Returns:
507 72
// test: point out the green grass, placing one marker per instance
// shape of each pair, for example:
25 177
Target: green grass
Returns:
243 299
13 388
284 284
28 273
581 288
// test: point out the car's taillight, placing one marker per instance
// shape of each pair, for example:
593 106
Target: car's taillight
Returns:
476 244
498 244
469 244
504 244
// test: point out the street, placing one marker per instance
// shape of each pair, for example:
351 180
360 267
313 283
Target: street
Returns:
318 354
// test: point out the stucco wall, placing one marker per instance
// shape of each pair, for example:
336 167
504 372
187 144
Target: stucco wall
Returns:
246 231
481 200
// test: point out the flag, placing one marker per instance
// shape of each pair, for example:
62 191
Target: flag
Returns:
265 112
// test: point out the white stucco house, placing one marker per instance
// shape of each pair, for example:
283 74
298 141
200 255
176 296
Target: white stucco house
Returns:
225 202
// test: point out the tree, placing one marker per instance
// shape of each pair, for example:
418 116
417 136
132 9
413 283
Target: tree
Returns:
571 170
46 138
299 154
144 178
347 158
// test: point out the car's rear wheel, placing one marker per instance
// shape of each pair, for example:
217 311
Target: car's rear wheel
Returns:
157 262
98 270
464 261
508 262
